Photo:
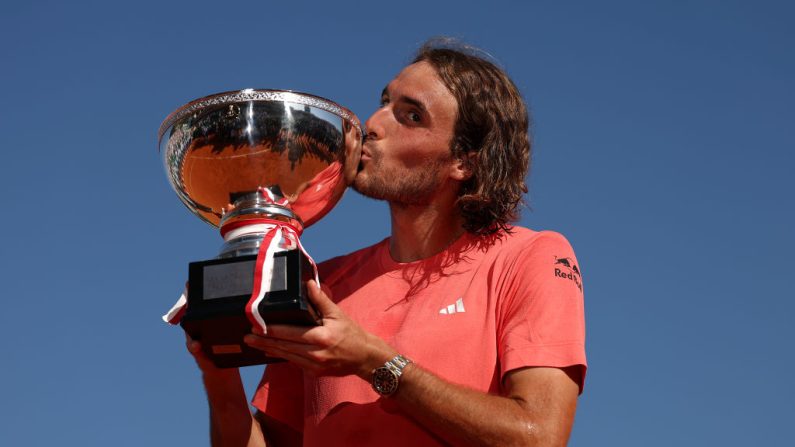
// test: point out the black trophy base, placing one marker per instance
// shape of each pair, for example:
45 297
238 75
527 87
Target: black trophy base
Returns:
218 291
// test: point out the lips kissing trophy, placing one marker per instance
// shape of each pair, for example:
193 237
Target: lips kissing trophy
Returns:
261 165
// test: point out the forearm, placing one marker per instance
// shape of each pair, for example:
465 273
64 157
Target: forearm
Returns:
455 413
231 422
460 414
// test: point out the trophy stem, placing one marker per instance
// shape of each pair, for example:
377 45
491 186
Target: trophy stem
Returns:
253 215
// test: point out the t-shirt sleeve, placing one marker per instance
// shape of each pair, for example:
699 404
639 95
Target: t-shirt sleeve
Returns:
541 318
280 394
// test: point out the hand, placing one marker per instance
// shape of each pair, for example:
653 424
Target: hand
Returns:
205 364
339 347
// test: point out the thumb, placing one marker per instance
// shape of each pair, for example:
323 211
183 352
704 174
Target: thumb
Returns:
320 300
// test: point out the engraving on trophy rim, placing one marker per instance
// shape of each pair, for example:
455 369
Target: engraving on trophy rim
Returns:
234 97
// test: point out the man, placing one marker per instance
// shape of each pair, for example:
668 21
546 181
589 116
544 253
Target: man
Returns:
458 328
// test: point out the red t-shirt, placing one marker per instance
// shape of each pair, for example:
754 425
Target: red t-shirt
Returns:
470 314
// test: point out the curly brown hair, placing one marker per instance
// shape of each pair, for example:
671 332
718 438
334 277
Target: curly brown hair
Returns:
490 136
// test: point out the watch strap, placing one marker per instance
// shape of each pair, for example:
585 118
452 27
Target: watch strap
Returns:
397 364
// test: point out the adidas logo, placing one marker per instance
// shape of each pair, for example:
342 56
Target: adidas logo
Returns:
454 308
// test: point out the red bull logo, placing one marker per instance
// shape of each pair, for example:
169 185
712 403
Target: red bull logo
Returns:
568 270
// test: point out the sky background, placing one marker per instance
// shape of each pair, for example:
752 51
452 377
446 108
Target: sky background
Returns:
663 151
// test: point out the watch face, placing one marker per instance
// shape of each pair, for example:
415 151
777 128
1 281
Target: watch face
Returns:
385 382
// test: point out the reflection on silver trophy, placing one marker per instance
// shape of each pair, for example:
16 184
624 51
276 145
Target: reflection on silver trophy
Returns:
261 165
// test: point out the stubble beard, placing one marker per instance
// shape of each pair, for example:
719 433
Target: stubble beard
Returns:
415 186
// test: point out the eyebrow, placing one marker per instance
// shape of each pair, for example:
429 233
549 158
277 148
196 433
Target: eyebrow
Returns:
415 102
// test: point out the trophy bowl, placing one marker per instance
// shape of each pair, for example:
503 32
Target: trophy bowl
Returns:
261 165
302 147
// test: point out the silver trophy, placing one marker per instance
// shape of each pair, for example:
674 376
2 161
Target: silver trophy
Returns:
261 165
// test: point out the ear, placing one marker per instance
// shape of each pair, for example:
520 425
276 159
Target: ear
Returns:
462 168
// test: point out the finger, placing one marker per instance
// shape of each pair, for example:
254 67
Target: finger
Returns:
290 332
195 349
301 361
193 346
318 297
305 356
319 336
255 341
268 344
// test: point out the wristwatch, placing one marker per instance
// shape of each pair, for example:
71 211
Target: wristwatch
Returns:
386 379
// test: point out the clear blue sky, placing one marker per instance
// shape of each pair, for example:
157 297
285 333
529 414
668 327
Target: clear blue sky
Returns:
664 152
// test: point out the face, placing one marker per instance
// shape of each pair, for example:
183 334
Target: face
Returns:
406 157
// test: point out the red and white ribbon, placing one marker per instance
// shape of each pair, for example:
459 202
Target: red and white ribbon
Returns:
174 315
267 194
263 270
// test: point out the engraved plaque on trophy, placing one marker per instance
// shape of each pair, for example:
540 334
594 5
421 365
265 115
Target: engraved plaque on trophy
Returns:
261 165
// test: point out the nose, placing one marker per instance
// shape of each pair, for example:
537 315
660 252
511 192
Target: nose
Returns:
375 124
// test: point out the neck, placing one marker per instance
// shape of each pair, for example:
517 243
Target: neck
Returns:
421 231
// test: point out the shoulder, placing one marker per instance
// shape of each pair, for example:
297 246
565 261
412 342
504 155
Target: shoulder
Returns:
525 256
524 243
338 266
